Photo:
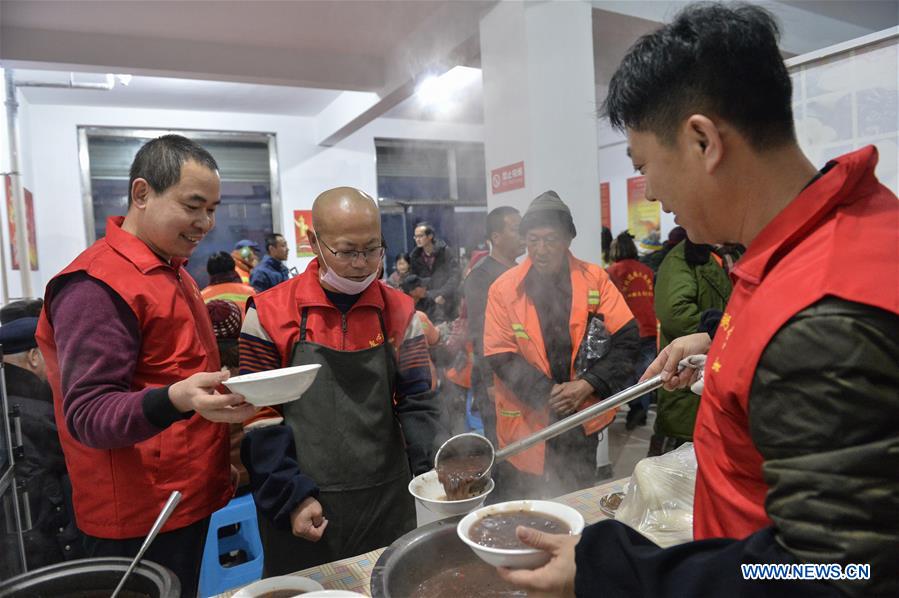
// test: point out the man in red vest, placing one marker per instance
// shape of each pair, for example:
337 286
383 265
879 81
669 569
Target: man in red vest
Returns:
330 472
796 437
134 367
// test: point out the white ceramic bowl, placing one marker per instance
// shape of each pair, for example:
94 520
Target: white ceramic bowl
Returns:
429 492
302 585
274 387
334 594
518 558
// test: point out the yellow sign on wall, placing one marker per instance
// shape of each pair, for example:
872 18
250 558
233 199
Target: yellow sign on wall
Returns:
644 218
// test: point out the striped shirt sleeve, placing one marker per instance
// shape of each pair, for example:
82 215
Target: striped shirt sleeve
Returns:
258 354
416 371
416 406
257 351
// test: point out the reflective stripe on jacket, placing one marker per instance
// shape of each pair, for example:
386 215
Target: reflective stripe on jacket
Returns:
513 326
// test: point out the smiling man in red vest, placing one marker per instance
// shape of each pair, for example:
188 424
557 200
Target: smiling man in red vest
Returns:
796 437
134 365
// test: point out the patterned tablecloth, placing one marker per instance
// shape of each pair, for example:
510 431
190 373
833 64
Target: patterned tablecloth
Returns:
354 573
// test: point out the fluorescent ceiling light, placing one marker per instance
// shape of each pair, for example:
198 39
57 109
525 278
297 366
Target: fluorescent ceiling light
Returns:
442 93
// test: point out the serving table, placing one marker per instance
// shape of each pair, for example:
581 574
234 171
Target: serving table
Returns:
354 573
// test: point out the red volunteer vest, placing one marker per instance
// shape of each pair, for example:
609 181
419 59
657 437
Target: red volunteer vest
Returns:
279 312
838 238
117 493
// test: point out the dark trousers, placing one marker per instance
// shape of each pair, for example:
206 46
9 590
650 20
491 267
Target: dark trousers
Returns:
570 462
514 484
180 550
659 445
484 397
646 356
570 465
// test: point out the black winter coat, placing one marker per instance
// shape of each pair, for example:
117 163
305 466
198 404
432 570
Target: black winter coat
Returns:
443 280
52 537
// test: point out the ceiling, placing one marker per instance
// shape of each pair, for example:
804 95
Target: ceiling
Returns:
298 58
178 94
870 14
345 45
350 27
222 96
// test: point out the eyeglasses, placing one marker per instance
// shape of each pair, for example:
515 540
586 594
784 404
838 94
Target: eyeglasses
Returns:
369 255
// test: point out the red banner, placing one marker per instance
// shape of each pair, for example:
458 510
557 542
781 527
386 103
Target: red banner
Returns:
14 221
507 178
605 205
302 222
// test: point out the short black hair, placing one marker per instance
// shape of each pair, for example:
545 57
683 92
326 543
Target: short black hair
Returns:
496 219
605 242
429 229
24 308
623 248
272 240
720 60
159 161
403 256
229 352
412 282
219 263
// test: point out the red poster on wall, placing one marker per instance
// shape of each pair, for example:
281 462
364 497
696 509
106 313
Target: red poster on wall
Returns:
605 205
507 178
31 232
302 222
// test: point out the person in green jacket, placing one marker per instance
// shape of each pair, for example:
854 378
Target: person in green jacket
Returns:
689 282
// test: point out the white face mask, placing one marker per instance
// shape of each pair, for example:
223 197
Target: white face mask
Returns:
341 284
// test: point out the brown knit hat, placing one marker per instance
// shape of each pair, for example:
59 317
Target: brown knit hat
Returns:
548 210
226 318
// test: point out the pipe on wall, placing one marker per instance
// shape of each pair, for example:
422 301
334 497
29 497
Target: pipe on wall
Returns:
18 198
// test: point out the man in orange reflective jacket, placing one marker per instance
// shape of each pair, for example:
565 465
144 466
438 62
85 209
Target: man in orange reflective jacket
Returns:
539 316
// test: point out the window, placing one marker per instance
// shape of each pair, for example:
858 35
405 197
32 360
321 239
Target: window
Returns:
442 182
249 189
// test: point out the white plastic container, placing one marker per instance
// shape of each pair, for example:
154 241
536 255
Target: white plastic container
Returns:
430 495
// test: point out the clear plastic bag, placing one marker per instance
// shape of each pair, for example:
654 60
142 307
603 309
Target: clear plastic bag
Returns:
659 497
594 347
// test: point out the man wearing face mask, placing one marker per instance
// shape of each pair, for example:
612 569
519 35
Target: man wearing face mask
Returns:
329 472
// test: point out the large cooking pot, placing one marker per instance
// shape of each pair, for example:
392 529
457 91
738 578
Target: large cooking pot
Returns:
416 556
86 578
427 552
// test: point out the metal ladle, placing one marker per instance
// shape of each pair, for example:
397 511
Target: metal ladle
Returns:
470 444
170 504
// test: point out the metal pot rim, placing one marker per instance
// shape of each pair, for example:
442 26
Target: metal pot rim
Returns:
167 582
378 585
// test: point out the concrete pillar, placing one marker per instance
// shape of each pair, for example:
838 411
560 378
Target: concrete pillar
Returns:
540 109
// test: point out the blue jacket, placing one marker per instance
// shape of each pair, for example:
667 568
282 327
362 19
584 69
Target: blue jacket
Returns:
268 273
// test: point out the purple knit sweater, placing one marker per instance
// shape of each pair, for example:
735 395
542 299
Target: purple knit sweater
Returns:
98 344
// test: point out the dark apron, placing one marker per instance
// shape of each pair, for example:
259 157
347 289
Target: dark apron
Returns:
349 441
